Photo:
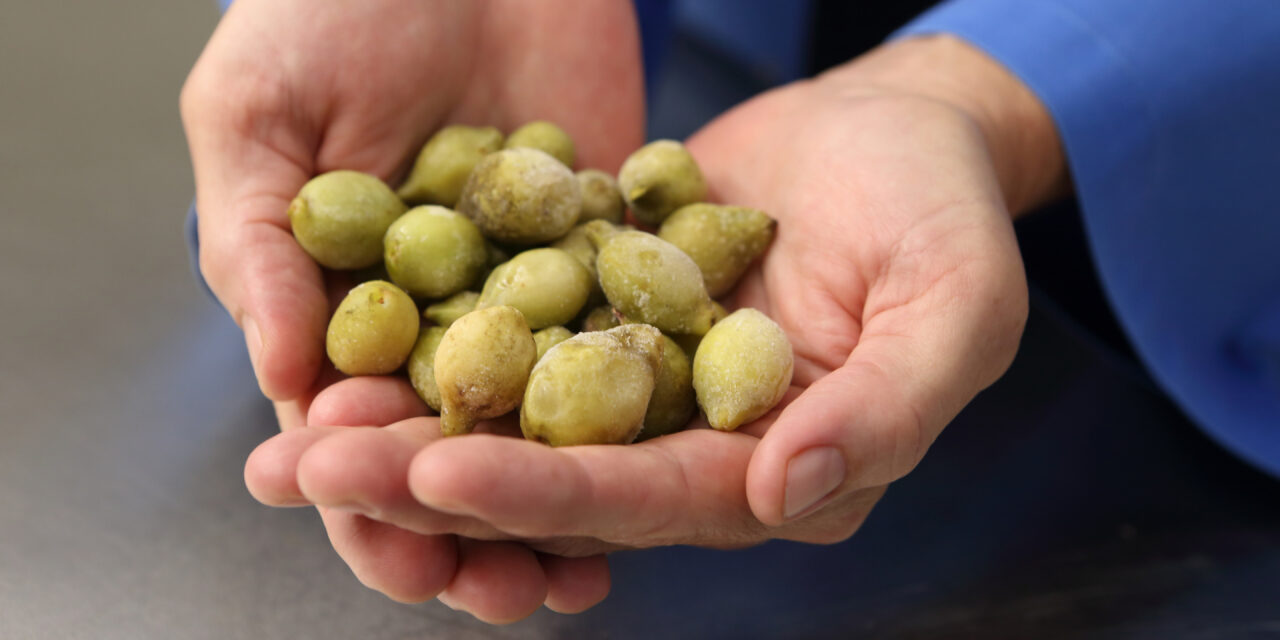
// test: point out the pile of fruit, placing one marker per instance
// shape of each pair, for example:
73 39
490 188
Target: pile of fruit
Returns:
507 251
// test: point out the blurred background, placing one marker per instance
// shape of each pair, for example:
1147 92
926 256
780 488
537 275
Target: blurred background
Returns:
1070 500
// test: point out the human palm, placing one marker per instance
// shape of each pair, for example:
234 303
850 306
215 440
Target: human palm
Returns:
896 277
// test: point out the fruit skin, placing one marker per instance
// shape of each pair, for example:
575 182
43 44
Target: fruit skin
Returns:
446 312
544 136
422 365
601 318
593 388
373 330
672 404
659 178
434 252
547 285
340 218
482 366
601 197
722 239
521 197
688 341
445 162
742 369
649 280
550 337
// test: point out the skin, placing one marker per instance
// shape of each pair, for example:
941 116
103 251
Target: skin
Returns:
892 180
286 89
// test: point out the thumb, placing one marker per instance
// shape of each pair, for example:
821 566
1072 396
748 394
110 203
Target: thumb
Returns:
870 421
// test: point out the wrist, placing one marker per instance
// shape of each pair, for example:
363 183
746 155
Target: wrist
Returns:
1020 135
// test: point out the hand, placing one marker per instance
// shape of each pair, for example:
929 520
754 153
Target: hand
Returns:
287 89
895 273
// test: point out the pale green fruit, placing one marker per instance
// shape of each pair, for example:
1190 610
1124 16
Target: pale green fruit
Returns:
482 366
672 404
521 197
433 252
723 240
445 162
544 136
689 341
649 280
601 319
547 285
593 388
659 178
422 365
742 369
373 330
550 337
445 312
340 217
601 198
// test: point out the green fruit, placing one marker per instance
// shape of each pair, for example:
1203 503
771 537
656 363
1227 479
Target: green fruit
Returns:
521 197
445 312
659 178
547 285
546 137
688 341
445 162
422 365
601 319
672 404
593 388
723 240
601 199
373 330
649 280
340 217
482 366
433 252
742 369
550 337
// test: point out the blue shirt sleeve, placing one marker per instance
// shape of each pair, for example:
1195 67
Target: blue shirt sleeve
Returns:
1170 116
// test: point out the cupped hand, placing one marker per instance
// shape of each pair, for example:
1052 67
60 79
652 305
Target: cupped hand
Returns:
287 89
895 274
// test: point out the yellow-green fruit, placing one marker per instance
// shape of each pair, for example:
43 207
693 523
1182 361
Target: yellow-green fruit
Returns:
445 162
482 366
445 312
373 330
659 178
742 369
340 217
521 197
422 365
550 337
433 252
649 280
722 239
600 232
546 137
601 198
688 341
601 319
577 244
593 388
672 404
547 285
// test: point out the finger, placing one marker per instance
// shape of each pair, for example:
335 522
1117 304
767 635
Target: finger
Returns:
366 400
575 584
251 155
684 487
497 582
405 566
271 472
916 364
365 470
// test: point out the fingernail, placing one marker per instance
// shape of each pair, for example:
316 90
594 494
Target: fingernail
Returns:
810 477
252 338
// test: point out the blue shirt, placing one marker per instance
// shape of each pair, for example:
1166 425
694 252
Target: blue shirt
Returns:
1169 113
